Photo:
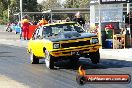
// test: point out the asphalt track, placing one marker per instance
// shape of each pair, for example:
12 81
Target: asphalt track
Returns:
15 64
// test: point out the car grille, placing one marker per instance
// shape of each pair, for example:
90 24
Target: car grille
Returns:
75 44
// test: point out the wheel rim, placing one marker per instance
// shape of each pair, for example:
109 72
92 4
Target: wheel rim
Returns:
31 57
47 63
47 60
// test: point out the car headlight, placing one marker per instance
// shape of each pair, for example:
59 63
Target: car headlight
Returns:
56 45
94 41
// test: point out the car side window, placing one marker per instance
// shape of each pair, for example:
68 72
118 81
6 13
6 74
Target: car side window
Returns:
47 32
38 34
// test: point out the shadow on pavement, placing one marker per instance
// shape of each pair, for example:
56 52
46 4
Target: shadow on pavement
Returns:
4 52
7 56
87 64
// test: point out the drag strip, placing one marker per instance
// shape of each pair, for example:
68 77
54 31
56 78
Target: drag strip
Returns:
15 64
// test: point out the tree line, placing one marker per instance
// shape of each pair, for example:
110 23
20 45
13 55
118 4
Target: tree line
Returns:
10 7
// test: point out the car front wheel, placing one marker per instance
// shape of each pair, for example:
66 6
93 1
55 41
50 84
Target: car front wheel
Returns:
95 57
33 58
49 60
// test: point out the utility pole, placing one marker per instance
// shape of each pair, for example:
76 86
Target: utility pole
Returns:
20 17
129 27
8 12
128 8
99 29
21 10
73 3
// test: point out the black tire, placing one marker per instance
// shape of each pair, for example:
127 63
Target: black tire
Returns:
95 57
49 60
7 29
33 58
10 30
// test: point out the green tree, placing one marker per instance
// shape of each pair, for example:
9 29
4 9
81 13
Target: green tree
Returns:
4 4
14 7
50 4
76 3
3 11
29 5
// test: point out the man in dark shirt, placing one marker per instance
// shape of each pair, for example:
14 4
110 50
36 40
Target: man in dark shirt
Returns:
78 18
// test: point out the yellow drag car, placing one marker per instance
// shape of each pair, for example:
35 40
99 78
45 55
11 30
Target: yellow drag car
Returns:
61 41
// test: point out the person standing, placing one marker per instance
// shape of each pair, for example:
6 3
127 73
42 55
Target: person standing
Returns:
25 27
68 19
42 21
78 18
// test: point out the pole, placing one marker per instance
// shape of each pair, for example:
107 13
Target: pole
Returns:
8 13
99 29
73 3
21 10
51 17
129 27
128 8
21 17
33 18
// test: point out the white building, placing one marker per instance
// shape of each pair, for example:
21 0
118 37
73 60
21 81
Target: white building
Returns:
108 12
125 8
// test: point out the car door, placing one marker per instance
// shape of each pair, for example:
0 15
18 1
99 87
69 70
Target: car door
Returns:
36 43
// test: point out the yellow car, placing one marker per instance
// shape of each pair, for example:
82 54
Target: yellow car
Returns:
61 41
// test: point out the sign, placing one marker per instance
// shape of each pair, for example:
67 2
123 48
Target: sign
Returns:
113 1
109 13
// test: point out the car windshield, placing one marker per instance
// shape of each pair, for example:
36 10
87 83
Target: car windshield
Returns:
56 29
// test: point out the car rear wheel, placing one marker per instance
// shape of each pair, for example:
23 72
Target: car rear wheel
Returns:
33 58
95 57
49 60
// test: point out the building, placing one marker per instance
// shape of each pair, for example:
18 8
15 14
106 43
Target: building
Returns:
125 8
110 2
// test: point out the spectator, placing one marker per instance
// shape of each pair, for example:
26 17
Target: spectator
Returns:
68 19
78 18
42 21
35 23
25 27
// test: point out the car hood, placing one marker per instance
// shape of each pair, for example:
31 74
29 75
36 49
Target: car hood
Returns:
64 38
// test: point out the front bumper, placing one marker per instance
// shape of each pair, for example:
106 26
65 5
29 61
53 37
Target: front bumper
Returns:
75 51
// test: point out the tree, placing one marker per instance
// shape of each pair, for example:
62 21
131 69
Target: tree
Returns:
50 4
14 7
29 5
76 3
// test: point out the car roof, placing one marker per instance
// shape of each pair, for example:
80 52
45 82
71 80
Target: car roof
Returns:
53 24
